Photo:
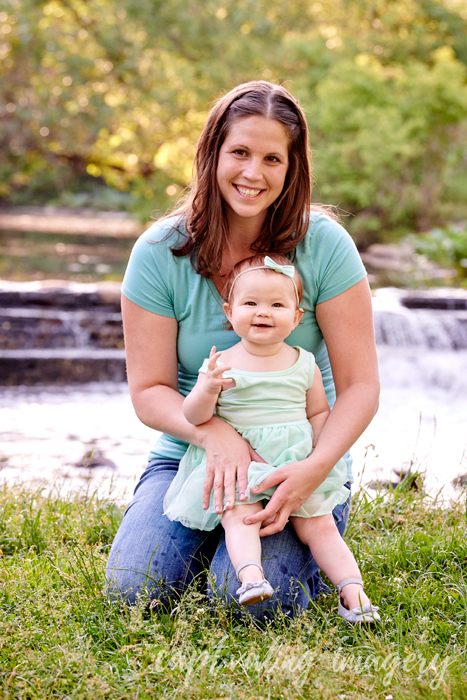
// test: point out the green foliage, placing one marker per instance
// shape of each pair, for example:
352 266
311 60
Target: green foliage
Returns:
61 638
389 137
118 91
445 246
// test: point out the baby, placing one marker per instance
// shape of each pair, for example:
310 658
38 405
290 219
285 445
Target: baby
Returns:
273 395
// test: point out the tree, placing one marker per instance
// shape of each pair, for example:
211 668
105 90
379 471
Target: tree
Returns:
118 91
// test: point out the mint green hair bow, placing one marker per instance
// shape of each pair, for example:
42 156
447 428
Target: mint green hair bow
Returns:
270 264
288 270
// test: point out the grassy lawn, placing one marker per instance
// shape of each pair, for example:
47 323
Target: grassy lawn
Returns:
60 638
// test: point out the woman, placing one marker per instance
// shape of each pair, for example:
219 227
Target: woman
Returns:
251 194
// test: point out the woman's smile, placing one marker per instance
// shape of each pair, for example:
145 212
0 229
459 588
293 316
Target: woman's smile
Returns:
248 192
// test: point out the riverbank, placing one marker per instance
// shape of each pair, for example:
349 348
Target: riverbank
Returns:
61 638
87 245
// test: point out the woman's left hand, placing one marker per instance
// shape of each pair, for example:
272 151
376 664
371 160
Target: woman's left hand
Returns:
295 482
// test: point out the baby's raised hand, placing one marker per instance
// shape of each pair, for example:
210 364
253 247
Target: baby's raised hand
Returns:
215 382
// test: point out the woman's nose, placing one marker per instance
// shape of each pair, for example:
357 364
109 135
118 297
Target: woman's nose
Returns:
252 169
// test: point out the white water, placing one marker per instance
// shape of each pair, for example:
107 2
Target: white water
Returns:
422 420
46 431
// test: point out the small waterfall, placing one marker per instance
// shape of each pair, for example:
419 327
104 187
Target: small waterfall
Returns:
402 320
60 332
69 332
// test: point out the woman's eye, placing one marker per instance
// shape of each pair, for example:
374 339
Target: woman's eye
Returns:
239 152
273 159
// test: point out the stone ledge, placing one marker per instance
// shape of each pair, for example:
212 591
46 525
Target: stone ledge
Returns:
60 294
87 354
30 367
444 298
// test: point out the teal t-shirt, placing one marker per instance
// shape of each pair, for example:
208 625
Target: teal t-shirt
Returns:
326 258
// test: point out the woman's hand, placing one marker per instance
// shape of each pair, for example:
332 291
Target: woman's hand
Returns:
228 457
295 482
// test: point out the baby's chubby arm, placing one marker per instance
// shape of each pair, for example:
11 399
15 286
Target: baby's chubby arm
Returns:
198 407
317 407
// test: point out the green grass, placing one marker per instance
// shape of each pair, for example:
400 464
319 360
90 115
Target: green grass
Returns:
60 638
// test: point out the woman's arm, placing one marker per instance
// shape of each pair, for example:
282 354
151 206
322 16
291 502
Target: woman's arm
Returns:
317 407
151 352
346 322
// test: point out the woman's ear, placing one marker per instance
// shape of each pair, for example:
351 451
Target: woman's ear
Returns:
298 316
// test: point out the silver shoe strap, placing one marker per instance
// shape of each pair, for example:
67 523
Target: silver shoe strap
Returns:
343 583
247 563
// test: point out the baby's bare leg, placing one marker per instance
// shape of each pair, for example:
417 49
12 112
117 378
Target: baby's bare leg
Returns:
243 541
332 555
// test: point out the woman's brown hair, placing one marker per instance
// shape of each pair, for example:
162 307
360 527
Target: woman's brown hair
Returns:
287 219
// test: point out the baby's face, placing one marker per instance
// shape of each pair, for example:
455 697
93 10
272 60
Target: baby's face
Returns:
263 307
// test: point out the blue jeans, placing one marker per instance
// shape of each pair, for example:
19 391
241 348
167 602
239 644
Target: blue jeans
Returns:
154 553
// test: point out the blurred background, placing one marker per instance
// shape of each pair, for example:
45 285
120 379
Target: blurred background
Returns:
101 104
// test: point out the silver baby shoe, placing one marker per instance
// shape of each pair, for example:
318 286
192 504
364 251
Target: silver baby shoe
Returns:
253 592
363 614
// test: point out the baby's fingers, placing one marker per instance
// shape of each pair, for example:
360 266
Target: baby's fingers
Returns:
213 357
219 370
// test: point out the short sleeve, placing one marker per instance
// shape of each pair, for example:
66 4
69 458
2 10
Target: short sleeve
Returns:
147 278
335 258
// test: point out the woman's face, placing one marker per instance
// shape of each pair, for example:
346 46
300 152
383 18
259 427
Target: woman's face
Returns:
253 164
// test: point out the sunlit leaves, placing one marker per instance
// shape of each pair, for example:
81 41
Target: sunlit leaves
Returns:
119 90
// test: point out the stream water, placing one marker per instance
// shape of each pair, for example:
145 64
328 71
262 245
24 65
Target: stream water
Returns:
47 431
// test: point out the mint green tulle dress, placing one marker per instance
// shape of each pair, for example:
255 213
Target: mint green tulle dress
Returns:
269 410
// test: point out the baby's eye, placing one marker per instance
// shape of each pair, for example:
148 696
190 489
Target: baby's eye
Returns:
250 303
277 304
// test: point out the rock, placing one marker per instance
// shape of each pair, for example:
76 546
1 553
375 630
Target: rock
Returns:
460 482
401 261
94 458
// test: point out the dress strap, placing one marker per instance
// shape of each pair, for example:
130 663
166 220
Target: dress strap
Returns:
311 371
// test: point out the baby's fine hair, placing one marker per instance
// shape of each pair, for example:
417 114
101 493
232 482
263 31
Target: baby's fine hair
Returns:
258 261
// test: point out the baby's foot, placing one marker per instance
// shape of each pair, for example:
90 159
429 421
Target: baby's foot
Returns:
253 592
353 596
354 605
250 572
